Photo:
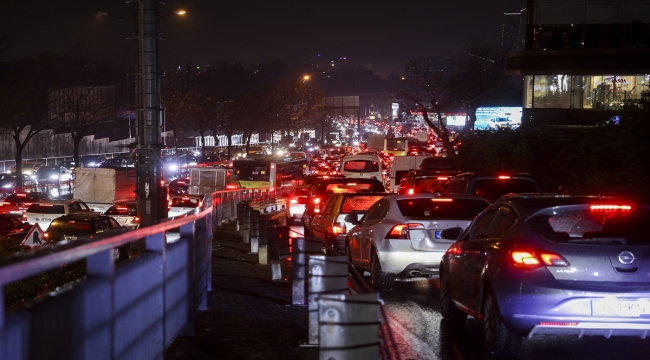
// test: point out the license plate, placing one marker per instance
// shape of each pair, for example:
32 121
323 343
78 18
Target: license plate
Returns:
437 234
69 237
625 308
255 173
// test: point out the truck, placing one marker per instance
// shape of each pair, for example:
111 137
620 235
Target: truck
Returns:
100 188
206 180
395 146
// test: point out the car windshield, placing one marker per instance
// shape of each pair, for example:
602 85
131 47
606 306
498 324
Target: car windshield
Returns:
46 209
356 204
492 189
600 224
441 208
361 166
70 226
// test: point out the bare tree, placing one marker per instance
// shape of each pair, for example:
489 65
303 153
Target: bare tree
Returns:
294 103
78 109
465 82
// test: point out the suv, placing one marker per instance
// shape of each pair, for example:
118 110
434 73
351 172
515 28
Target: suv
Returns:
73 226
322 188
421 181
490 187
340 213
43 212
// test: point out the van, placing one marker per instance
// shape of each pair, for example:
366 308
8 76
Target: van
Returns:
400 166
362 166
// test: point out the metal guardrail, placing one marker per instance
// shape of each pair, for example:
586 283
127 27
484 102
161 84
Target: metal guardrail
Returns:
133 309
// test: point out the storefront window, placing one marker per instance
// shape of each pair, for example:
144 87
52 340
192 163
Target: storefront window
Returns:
598 92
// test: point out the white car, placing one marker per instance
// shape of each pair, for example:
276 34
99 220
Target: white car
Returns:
296 202
185 204
399 237
43 212
126 214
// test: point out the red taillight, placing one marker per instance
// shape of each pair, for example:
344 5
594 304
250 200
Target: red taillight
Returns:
46 235
293 201
442 200
401 231
443 178
610 207
316 200
24 217
411 191
533 259
136 219
339 228
454 250
504 177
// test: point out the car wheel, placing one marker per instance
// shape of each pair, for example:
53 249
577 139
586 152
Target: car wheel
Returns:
448 309
497 338
379 280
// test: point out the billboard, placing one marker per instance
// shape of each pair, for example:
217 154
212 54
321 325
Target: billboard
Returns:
494 117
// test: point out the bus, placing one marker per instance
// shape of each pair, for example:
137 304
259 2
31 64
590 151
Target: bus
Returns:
259 173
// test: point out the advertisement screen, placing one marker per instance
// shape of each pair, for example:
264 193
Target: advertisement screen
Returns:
496 117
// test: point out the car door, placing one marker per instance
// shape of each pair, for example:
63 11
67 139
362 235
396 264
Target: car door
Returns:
355 237
368 235
461 270
319 222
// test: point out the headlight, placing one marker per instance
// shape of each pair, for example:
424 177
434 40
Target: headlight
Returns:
173 167
32 176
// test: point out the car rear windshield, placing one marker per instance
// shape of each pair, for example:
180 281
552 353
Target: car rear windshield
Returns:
594 224
353 187
69 226
441 208
361 166
185 202
492 189
424 184
46 209
361 203
121 210
301 192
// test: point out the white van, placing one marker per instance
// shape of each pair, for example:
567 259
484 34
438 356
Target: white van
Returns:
362 166
401 166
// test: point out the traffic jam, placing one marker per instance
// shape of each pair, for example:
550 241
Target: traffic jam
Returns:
507 260
495 255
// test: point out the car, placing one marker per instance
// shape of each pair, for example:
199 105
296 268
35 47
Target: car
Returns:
322 188
502 123
70 165
55 176
16 204
208 160
179 186
400 235
547 264
126 214
120 161
340 213
184 204
11 224
489 187
44 211
8 184
27 167
420 181
91 160
296 203
76 226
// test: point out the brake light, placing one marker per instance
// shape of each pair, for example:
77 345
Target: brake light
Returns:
454 249
24 217
443 178
411 191
504 177
532 259
401 231
339 228
293 201
316 200
122 208
46 235
351 184
610 207
136 219
442 200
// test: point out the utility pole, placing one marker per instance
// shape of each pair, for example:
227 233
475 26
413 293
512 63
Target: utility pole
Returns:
151 200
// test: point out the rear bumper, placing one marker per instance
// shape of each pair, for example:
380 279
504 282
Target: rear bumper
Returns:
605 329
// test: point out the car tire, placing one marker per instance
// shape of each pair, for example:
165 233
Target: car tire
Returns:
379 280
498 340
449 311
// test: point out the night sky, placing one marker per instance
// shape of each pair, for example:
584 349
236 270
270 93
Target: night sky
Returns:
380 35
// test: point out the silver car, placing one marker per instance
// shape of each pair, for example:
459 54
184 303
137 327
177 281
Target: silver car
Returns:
536 264
399 236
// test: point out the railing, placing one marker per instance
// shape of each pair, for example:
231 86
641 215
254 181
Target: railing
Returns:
133 309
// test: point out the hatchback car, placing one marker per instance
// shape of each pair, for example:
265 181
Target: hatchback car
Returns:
399 237
340 213
184 204
295 206
538 264
322 188
75 226
126 214
489 187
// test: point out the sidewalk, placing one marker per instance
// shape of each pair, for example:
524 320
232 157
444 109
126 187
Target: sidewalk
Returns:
248 316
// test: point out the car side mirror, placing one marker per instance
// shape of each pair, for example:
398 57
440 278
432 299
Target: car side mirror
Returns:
351 218
454 233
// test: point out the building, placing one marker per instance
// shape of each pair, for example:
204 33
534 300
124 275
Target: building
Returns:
584 59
